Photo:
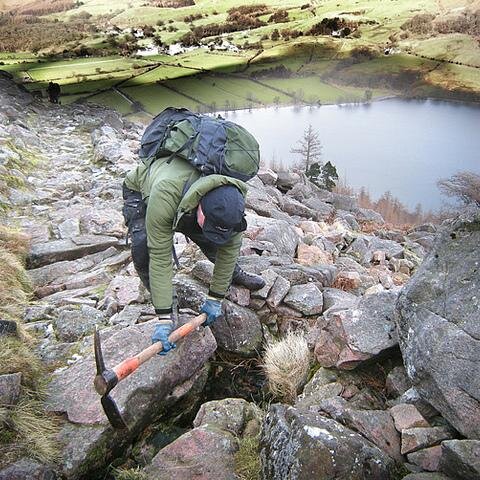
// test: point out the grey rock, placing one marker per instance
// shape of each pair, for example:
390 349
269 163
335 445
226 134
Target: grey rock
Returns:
397 382
126 289
275 237
343 202
375 425
335 298
88 440
427 476
55 354
322 275
438 317
183 460
10 385
303 445
461 459
129 315
203 270
287 180
363 248
323 385
427 459
107 221
27 469
45 253
322 209
239 331
279 290
38 312
263 203
229 414
414 439
306 298
294 207
77 323
353 335
267 176
367 215
190 293
69 228
8 327
411 396
425 227
269 276
208 450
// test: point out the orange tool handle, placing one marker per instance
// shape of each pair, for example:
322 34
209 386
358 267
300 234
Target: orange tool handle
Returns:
129 365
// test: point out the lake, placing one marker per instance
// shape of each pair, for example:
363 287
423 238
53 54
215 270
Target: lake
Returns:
403 146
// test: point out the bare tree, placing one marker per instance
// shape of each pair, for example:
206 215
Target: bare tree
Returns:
464 186
309 148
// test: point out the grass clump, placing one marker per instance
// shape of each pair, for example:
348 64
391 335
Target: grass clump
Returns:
286 364
25 428
14 285
247 458
17 356
32 431
14 241
129 474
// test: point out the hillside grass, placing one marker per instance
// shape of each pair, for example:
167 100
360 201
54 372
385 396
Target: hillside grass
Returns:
25 428
306 57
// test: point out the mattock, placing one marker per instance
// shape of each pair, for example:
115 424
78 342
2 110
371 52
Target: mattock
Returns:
106 379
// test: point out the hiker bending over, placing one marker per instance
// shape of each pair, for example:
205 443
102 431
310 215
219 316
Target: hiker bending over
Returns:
167 193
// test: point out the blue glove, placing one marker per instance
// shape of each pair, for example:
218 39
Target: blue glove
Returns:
213 308
161 334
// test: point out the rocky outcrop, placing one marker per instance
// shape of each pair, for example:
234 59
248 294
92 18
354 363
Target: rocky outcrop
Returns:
324 276
87 437
208 450
350 336
298 445
439 325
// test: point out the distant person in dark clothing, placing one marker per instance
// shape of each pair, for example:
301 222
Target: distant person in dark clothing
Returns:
53 91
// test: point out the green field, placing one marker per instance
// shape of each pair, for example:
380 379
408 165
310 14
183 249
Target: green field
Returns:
303 70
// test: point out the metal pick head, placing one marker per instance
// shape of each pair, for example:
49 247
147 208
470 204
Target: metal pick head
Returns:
98 352
113 413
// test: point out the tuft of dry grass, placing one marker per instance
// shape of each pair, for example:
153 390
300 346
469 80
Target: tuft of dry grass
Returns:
15 285
17 356
14 241
33 431
286 364
25 429
129 474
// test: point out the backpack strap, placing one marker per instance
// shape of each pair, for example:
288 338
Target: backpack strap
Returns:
188 144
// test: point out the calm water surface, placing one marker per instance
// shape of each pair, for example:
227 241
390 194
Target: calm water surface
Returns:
404 146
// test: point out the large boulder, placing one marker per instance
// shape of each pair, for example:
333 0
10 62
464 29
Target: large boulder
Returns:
461 459
353 335
239 331
207 451
27 469
438 317
87 440
69 249
301 445
275 237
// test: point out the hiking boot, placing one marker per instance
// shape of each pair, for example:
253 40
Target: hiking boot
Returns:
248 280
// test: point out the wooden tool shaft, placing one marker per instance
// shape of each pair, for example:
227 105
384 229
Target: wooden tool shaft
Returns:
129 365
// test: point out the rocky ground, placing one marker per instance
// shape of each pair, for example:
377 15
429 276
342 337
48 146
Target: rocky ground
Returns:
371 302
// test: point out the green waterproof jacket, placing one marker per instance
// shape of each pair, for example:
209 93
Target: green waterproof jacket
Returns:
162 185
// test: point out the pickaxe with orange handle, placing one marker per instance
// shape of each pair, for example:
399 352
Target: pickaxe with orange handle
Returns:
106 379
